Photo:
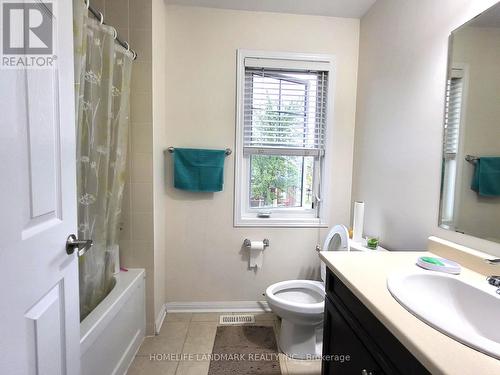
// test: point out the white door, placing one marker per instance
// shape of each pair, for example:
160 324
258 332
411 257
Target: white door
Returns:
39 302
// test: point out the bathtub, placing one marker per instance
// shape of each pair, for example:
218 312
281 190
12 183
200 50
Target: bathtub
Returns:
112 333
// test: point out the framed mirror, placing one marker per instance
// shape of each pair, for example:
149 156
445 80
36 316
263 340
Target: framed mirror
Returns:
470 185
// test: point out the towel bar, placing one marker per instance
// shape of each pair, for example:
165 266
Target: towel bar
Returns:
471 158
172 150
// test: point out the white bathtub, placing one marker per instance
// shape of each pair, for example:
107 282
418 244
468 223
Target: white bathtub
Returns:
111 334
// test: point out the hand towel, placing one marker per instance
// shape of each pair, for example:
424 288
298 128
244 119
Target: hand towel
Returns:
199 170
486 179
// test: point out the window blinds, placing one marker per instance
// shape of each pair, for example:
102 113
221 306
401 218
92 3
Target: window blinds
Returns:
454 92
284 111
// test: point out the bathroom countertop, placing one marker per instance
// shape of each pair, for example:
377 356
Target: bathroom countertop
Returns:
365 274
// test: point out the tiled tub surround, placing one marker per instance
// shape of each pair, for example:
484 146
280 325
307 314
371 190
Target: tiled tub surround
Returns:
133 21
187 339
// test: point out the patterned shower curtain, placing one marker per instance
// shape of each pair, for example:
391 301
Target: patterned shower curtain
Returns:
102 84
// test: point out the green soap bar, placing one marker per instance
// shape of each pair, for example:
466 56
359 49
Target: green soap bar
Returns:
433 261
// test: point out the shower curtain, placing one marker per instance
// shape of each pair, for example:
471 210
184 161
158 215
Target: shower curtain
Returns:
102 85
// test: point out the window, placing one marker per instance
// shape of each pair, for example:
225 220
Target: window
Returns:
451 142
281 138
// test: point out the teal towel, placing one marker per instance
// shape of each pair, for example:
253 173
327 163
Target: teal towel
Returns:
486 179
199 170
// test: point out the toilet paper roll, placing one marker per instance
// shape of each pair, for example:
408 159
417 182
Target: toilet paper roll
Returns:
357 224
256 254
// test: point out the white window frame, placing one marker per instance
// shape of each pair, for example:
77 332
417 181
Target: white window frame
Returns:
289 217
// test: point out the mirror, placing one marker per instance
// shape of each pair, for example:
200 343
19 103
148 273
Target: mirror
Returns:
470 186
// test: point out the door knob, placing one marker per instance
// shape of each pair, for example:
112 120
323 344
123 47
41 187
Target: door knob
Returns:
73 243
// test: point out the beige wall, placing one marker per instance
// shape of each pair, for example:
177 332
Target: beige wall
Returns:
204 260
402 70
132 19
185 86
479 49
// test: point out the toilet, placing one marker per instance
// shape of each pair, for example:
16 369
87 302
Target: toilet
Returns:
300 305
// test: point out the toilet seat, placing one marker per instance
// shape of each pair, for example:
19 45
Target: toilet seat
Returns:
337 240
300 296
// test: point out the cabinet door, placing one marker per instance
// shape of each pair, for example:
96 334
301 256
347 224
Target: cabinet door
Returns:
343 352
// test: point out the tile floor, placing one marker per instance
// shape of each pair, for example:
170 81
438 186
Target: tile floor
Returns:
184 341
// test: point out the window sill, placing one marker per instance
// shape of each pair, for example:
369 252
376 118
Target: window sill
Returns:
279 222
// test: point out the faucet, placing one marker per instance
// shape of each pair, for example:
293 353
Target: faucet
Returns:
493 261
495 281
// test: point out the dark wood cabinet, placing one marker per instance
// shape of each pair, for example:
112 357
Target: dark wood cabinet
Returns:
356 342
348 354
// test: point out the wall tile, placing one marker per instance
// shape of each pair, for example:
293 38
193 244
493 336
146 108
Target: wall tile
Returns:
123 33
141 41
141 76
143 253
125 227
142 197
142 226
136 254
117 13
132 19
125 216
140 14
141 137
99 5
141 107
142 167
125 252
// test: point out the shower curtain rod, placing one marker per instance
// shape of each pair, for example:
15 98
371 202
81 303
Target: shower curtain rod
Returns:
99 16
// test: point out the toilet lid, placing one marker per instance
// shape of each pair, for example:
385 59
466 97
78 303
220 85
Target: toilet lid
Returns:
337 240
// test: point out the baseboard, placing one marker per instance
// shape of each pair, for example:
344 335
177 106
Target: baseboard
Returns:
159 319
218 306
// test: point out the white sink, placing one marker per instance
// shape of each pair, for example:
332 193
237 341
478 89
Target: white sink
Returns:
467 312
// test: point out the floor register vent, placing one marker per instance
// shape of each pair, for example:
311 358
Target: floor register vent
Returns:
236 319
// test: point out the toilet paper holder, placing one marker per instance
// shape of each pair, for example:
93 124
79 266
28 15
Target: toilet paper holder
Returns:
247 242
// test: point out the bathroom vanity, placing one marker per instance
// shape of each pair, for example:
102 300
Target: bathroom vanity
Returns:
352 330
367 331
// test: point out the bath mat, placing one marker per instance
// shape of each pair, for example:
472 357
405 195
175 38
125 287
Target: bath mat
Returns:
244 350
